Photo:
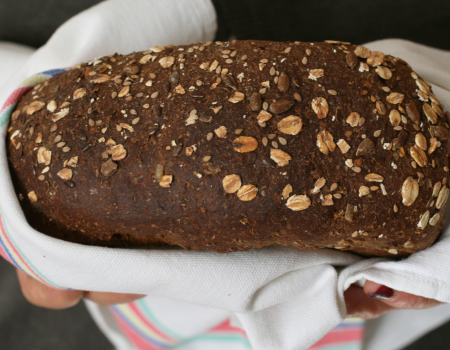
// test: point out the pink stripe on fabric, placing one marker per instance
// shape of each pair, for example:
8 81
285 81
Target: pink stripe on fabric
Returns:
138 313
4 255
138 341
20 256
340 337
15 96
226 327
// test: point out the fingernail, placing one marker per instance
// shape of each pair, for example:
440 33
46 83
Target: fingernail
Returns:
382 293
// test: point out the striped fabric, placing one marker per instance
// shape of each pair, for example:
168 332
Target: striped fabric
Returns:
8 249
347 336
135 319
146 332
28 84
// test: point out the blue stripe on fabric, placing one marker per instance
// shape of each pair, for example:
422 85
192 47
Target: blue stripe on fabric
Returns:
146 311
350 325
36 271
129 323
13 261
214 337
347 346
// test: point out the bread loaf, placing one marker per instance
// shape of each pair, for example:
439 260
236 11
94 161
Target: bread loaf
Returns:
236 145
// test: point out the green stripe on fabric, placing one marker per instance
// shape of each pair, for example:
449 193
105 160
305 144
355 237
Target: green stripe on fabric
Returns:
149 314
216 338
351 346
36 271
6 114
31 81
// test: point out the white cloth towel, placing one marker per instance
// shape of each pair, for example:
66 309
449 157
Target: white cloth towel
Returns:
283 297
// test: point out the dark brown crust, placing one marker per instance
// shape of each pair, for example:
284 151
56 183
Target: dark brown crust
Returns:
130 207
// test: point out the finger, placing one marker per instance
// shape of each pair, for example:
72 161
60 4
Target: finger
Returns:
105 298
41 295
397 299
359 305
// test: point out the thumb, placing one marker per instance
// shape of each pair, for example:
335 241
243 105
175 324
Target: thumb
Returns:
397 299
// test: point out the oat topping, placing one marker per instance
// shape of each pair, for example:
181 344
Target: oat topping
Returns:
375 59
65 174
118 152
423 86
73 162
263 116
298 202
433 145
315 74
44 156
325 142
237 97
217 109
38 138
245 144
51 107
327 200
124 91
290 125
157 48
247 193
221 132
167 62
364 191
363 67
363 52
280 157
424 218
318 185
287 191
32 196
421 141
353 119
437 109
179 90
343 146
320 107
205 65
283 82
419 156
35 106
430 113
410 191
192 117
435 219
110 142
374 178
61 114
166 180
384 72
395 117
101 78
442 197
395 98
231 183
127 126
